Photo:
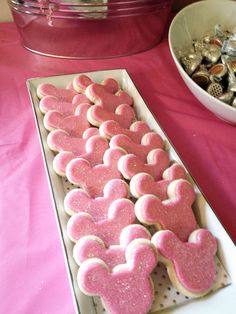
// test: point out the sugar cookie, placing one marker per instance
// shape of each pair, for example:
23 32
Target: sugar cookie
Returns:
136 131
174 214
95 148
101 96
74 125
190 265
61 141
93 179
82 81
120 215
49 103
91 246
124 115
149 141
127 288
77 200
157 161
143 183
62 94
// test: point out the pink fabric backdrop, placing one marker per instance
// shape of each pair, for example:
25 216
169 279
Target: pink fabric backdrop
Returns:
32 271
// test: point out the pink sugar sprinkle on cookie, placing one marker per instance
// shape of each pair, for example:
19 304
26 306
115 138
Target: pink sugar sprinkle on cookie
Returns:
149 142
101 96
49 103
77 200
59 140
95 147
174 214
191 264
127 288
157 161
93 179
144 183
91 246
75 125
120 215
124 115
61 94
110 128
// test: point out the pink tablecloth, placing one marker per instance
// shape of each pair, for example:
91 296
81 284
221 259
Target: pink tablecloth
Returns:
32 271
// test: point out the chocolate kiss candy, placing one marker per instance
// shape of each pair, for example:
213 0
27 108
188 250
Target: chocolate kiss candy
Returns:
191 62
227 97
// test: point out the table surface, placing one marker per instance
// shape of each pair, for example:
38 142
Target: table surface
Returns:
30 249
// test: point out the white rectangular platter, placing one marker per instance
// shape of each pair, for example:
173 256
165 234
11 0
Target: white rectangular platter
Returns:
220 301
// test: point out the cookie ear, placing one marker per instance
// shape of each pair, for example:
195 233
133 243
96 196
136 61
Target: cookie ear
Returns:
145 208
81 82
174 172
166 242
116 188
93 277
132 232
80 225
152 139
122 210
88 247
205 240
141 255
111 85
182 191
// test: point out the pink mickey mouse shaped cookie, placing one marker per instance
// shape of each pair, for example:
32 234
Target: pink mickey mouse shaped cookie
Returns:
174 213
127 288
95 147
190 265
124 115
82 81
78 200
149 141
143 183
110 128
62 94
93 179
74 124
120 215
92 246
102 96
157 161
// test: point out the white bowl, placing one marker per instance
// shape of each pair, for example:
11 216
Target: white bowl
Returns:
193 22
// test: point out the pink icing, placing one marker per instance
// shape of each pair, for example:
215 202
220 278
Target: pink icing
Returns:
59 140
81 99
91 246
128 288
77 200
124 115
143 183
93 179
75 125
61 94
120 215
101 96
174 214
95 148
136 131
149 142
157 162
49 103
193 261
111 85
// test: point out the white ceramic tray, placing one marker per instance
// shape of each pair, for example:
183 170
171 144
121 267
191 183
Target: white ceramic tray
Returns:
166 297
